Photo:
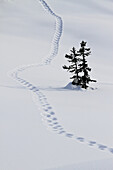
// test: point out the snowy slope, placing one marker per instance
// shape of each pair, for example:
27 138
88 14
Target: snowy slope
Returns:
26 34
98 165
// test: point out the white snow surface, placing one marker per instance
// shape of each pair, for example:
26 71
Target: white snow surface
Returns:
45 124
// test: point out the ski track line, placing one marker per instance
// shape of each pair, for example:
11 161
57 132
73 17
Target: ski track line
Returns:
48 115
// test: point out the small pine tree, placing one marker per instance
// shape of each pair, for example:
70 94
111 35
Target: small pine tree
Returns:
79 67
84 52
73 68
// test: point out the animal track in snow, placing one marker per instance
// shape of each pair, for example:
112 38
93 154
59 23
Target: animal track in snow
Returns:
46 110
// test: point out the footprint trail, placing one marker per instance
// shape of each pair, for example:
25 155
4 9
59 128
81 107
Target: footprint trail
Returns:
46 110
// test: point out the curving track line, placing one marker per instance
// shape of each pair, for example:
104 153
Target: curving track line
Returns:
46 110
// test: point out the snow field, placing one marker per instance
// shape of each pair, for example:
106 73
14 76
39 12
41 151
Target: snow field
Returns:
60 115
48 115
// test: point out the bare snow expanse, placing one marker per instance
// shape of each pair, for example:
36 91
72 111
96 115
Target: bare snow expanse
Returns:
52 128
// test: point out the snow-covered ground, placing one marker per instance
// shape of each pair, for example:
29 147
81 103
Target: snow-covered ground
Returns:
49 127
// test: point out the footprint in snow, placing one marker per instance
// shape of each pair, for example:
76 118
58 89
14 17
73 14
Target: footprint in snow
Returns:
111 150
92 143
54 118
102 147
49 108
62 132
55 123
48 115
56 127
69 135
81 139
52 113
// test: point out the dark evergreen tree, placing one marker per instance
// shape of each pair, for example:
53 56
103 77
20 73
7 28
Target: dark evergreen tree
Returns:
84 69
73 68
79 67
